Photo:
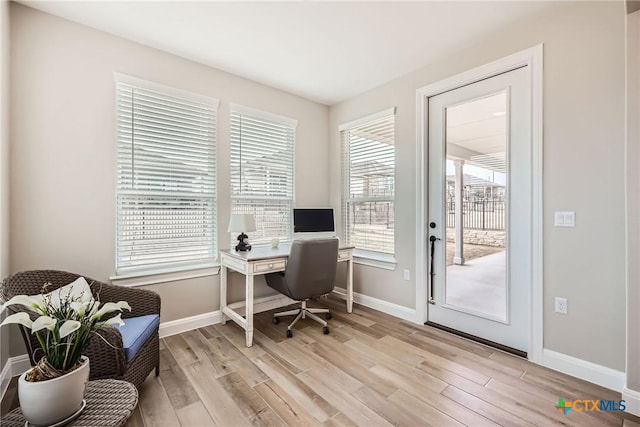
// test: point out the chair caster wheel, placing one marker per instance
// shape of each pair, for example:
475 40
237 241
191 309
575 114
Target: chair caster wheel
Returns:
275 320
328 316
325 330
289 333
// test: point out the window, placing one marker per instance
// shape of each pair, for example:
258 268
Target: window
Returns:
262 172
368 147
165 177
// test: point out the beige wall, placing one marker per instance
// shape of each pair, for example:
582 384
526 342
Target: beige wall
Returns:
583 171
633 201
62 175
62 129
4 162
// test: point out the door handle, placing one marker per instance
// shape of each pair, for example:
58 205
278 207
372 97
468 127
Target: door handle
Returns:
432 272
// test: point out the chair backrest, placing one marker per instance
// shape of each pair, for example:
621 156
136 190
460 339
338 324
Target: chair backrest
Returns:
311 268
32 282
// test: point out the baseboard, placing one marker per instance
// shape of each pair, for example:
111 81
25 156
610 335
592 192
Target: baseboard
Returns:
185 324
632 401
271 302
588 371
5 378
400 311
261 304
15 366
19 364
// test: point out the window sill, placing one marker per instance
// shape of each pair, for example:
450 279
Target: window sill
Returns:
374 259
153 277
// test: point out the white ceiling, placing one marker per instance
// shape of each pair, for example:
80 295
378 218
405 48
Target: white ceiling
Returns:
324 51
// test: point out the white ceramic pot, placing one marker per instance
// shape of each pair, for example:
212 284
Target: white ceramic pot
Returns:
47 402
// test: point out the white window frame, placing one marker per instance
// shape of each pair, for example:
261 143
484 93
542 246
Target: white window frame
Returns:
361 255
136 275
261 200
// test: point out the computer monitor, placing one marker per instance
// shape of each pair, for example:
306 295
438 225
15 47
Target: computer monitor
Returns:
313 223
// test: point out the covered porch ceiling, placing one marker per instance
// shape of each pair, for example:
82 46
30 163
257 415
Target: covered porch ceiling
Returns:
476 132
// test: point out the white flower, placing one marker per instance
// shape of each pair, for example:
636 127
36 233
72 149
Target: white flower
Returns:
86 297
106 309
43 322
115 319
21 318
124 305
69 327
35 303
79 307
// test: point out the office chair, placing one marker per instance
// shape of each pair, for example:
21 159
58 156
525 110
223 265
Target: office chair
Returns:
310 273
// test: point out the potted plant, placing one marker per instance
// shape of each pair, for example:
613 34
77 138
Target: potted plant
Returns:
65 321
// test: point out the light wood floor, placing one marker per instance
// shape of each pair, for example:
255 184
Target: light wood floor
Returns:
373 369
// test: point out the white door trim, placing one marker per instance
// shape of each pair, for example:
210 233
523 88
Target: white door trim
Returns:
532 58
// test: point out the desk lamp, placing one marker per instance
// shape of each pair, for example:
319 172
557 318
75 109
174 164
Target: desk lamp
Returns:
239 223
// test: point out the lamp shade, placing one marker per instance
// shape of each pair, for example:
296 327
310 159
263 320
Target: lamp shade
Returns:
239 223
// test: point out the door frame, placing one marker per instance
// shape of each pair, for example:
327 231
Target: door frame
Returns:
532 58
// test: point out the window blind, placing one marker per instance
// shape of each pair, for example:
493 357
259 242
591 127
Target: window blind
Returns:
165 178
262 172
368 160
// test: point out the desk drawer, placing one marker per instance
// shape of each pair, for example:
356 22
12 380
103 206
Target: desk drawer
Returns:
234 264
344 255
269 266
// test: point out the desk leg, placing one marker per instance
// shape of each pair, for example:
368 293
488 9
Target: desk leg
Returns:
349 286
249 310
223 292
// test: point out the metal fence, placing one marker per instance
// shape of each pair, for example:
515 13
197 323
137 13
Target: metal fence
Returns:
478 214
370 225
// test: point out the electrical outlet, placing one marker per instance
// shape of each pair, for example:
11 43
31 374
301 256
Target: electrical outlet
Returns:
407 275
561 305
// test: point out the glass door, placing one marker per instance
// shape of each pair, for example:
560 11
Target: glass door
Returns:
480 207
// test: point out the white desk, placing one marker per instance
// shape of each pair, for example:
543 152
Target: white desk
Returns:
262 261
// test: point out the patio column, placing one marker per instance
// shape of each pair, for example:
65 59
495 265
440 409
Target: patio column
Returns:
458 256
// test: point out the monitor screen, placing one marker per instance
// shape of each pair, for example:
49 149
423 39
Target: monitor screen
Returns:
313 220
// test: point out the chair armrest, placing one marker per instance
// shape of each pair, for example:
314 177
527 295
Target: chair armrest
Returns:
106 354
142 302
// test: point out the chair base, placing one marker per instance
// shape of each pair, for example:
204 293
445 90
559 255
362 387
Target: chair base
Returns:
302 313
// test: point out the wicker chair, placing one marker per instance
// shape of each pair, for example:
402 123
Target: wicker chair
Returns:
107 358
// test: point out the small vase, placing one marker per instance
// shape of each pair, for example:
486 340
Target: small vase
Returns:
47 402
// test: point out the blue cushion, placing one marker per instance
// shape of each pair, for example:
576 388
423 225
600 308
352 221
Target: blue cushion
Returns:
136 331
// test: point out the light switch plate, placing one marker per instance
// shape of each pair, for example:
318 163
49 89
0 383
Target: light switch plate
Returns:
564 219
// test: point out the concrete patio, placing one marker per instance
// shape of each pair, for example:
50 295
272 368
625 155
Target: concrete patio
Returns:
479 285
